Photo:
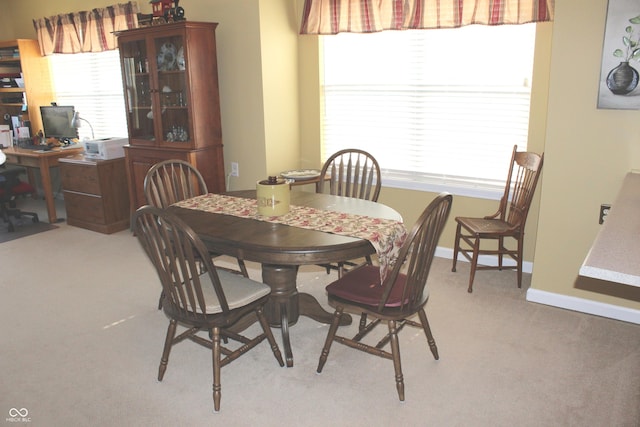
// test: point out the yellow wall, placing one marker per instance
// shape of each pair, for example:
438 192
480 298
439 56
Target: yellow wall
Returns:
269 97
588 152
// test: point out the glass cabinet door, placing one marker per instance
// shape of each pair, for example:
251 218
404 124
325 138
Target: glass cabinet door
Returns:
138 91
170 61
156 91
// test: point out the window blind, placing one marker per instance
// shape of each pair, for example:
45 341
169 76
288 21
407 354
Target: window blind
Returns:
92 83
439 109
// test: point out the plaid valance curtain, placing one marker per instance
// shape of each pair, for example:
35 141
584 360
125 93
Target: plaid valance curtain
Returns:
87 31
365 16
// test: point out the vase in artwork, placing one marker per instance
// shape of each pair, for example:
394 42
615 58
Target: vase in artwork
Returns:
622 79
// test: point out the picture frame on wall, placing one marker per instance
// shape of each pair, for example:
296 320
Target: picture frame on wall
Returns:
619 85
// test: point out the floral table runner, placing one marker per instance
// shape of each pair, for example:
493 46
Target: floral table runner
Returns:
385 235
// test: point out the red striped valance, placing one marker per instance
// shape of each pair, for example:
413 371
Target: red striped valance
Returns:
365 16
86 31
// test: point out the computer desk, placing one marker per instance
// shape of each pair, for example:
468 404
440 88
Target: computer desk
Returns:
43 160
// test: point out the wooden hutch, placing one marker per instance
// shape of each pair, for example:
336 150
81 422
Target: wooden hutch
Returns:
170 79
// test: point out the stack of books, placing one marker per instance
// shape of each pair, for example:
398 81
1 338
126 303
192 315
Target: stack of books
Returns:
9 52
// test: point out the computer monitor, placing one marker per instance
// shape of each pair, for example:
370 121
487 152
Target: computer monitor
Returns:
56 121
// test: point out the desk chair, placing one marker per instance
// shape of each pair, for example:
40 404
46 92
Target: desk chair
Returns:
11 188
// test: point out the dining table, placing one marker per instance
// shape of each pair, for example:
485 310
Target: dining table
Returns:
228 224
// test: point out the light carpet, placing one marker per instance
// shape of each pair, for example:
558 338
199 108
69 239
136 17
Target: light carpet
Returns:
82 339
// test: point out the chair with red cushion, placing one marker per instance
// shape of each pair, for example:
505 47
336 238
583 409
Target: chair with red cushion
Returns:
401 295
11 188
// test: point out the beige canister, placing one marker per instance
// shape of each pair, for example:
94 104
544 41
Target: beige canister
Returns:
273 196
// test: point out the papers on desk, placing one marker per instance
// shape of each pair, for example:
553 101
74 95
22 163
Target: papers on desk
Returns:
6 139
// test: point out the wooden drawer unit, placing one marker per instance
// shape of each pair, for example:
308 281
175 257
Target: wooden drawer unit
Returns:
95 193
140 160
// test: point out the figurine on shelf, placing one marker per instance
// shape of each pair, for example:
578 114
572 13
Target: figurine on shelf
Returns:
165 11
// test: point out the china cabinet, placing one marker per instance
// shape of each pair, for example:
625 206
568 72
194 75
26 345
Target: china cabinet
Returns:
170 79
25 82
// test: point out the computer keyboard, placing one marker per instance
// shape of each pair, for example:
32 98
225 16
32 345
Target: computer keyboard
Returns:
31 147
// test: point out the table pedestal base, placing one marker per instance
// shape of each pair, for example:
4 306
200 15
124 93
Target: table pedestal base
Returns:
286 305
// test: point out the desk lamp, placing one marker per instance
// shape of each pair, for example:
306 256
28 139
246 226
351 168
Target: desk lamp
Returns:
75 122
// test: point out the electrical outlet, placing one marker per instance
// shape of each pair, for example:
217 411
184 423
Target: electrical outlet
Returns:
235 170
604 211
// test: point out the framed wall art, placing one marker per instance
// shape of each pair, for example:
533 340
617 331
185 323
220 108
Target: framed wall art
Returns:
619 86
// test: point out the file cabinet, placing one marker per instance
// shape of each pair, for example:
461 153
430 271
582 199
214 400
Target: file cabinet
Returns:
95 192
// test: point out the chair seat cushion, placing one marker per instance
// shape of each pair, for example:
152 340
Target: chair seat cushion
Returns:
484 226
362 286
238 290
19 189
23 188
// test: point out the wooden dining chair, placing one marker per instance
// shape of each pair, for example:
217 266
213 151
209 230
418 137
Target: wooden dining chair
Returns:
352 173
170 181
198 295
507 223
402 294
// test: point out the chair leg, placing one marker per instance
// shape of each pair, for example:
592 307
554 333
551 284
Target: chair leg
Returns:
363 322
501 250
341 270
168 342
395 351
474 263
456 247
269 334
215 354
330 336
160 300
429 335
519 261
243 268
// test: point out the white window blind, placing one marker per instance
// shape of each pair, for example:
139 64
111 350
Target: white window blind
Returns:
439 109
92 83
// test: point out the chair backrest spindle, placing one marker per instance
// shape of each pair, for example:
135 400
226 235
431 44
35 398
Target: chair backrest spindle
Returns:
180 259
171 181
353 173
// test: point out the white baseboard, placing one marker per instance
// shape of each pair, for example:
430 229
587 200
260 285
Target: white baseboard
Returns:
558 300
527 267
584 305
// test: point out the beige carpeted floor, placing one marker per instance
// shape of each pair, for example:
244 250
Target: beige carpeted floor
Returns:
82 337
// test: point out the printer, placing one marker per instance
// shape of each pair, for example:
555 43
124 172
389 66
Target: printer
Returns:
104 149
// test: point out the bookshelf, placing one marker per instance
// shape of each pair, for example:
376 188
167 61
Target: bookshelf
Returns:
25 82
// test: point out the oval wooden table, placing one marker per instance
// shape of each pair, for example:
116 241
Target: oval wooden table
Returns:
281 249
